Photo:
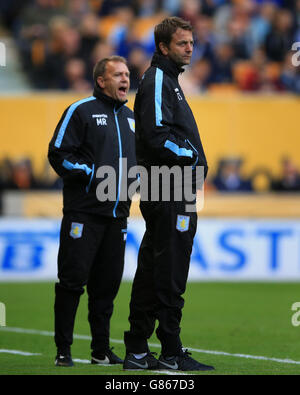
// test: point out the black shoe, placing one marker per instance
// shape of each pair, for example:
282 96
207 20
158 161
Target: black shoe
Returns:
107 358
147 362
183 362
63 360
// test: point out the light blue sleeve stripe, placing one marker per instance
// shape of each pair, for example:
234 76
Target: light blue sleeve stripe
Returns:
177 150
68 116
158 96
71 166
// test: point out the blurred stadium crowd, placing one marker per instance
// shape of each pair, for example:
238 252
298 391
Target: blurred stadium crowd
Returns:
242 45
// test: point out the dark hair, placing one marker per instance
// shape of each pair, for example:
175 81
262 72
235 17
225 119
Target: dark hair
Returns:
163 31
100 67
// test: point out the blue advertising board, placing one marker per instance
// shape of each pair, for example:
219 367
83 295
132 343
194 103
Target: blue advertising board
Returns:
224 249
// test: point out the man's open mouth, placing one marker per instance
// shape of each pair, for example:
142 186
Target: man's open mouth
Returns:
123 89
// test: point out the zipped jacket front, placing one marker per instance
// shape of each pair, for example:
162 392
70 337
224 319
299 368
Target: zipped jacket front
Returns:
92 133
166 130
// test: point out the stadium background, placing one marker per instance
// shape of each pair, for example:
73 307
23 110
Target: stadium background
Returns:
243 90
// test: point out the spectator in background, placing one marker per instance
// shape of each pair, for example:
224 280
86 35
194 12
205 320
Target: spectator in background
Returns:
209 7
5 179
229 178
114 28
9 13
279 40
22 176
128 42
108 7
290 179
278 3
171 7
247 73
69 46
101 50
146 8
205 39
222 63
89 32
239 34
74 76
77 10
261 24
6 171
269 78
138 63
296 15
189 10
195 80
221 19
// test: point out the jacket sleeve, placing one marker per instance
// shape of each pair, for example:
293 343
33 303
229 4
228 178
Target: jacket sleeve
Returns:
156 114
64 152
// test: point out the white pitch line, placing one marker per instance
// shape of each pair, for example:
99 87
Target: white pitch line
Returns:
88 362
77 360
85 337
81 337
85 361
168 372
17 352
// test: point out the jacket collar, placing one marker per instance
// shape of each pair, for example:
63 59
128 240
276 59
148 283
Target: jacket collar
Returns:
116 104
166 64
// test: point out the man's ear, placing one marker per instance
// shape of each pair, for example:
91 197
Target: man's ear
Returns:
163 48
101 82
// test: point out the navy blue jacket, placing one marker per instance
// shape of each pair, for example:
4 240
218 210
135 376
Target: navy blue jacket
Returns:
93 132
166 130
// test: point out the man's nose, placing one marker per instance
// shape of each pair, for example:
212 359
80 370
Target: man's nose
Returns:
189 48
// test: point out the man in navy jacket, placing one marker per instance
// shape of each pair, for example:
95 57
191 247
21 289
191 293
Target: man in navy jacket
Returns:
166 135
93 132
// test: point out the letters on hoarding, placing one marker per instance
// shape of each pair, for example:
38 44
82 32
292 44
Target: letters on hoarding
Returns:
224 249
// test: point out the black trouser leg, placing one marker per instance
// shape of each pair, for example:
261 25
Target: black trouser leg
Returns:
169 240
172 260
104 282
65 307
76 254
142 305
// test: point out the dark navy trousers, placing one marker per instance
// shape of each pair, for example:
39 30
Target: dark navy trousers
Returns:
91 253
161 276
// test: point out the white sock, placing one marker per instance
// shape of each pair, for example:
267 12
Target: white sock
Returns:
140 356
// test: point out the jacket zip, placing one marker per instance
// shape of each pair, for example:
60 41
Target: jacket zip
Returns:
191 145
91 178
120 160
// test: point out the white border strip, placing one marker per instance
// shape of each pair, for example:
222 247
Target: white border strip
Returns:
85 337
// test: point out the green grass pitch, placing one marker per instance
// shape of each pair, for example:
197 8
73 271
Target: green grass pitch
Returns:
224 319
